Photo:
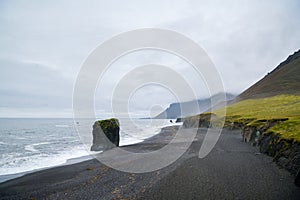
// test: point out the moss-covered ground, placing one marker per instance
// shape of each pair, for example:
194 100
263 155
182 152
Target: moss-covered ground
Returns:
255 112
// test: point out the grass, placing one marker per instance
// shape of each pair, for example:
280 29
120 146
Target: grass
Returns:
255 112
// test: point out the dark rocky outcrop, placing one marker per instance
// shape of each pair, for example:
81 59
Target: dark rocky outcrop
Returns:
286 153
202 120
252 133
179 119
105 134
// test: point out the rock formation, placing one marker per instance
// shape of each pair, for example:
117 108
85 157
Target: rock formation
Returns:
202 120
105 134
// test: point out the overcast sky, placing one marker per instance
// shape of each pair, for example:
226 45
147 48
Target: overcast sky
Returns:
44 43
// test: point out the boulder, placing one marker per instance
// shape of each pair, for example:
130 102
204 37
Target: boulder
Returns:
179 119
105 134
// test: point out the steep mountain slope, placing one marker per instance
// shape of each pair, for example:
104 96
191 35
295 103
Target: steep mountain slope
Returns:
268 114
284 79
188 108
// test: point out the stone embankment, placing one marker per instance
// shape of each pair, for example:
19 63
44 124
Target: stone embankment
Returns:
285 152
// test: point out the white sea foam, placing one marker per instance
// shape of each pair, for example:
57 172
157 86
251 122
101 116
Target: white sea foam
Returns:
20 164
43 145
174 124
62 126
31 147
20 138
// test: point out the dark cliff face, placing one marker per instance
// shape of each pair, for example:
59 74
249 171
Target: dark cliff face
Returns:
176 110
105 134
284 79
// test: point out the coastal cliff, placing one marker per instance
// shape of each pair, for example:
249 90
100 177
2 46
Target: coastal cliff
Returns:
183 109
285 151
268 115
260 133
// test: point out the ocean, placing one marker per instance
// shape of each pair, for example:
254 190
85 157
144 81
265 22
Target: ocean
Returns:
28 144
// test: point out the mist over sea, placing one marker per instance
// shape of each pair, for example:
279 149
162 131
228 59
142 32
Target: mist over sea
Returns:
28 144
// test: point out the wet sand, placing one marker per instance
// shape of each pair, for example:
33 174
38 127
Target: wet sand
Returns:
233 170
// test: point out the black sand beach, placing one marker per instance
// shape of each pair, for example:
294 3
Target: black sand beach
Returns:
233 170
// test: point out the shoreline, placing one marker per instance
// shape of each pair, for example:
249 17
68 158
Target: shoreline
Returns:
42 179
75 160
70 161
233 170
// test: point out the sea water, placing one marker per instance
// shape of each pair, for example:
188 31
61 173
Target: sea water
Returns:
32 144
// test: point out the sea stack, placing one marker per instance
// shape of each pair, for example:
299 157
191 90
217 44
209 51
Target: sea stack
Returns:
105 134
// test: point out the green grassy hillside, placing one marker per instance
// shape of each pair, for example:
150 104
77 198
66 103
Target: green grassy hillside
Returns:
272 105
256 112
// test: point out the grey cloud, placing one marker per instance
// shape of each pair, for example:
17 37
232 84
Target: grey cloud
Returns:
43 45
245 39
30 85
